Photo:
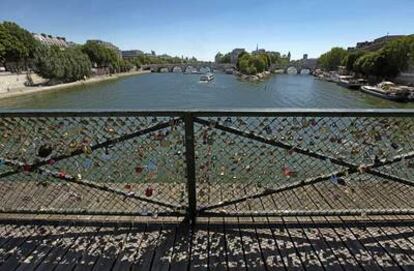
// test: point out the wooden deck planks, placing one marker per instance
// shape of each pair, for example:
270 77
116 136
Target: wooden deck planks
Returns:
229 243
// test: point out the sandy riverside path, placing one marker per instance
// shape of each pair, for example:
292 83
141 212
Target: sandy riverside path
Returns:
92 80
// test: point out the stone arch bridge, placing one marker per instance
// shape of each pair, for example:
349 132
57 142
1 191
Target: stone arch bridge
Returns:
184 67
299 65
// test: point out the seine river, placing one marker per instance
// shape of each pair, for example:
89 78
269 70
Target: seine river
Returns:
180 91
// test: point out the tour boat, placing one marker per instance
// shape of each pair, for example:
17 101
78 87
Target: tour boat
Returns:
205 78
387 90
348 81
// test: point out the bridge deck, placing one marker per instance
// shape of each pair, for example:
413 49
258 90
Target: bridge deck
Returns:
307 243
46 242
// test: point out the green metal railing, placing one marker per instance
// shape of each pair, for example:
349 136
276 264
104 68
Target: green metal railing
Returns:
207 163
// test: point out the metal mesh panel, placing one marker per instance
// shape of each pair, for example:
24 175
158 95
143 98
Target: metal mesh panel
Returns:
87 164
304 164
246 163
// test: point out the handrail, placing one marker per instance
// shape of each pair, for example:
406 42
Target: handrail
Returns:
263 112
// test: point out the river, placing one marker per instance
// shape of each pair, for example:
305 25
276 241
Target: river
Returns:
180 91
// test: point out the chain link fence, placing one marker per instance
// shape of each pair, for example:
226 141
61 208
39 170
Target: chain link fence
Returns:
303 163
207 163
125 164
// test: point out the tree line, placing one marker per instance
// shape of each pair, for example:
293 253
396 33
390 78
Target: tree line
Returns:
256 62
20 51
393 58
146 59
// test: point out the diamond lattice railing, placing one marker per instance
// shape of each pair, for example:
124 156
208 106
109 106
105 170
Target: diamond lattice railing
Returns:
246 163
304 164
86 164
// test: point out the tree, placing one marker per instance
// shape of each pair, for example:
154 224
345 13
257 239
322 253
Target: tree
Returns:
4 38
332 59
396 54
366 64
218 57
351 58
17 45
62 65
226 59
125 66
136 62
252 64
102 55
260 62
387 62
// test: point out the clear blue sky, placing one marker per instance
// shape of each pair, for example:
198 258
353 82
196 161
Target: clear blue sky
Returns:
202 28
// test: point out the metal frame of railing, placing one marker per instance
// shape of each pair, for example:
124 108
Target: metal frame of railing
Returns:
191 117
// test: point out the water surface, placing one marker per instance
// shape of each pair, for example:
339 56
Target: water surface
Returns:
180 91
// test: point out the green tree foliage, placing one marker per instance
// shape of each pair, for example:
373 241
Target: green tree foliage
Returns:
389 61
164 59
351 58
2 49
126 66
136 63
252 64
60 65
367 64
275 57
102 55
226 59
17 45
332 59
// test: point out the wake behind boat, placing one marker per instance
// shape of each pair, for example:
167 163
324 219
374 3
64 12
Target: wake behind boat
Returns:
205 78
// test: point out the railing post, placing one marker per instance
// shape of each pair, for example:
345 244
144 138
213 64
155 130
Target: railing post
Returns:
190 162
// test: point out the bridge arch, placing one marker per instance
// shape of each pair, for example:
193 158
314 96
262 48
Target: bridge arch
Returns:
190 69
163 69
305 71
292 70
205 69
177 69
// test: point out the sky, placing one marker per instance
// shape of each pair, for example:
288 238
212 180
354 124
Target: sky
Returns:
203 28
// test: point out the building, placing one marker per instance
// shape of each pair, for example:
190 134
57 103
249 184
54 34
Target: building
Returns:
375 44
305 56
50 40
108 45
131 54
259 51
234 55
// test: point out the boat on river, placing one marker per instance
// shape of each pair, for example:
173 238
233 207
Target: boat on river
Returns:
205 78
387 90
348 81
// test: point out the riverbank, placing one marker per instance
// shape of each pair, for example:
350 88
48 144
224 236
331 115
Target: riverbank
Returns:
256 77
93 80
